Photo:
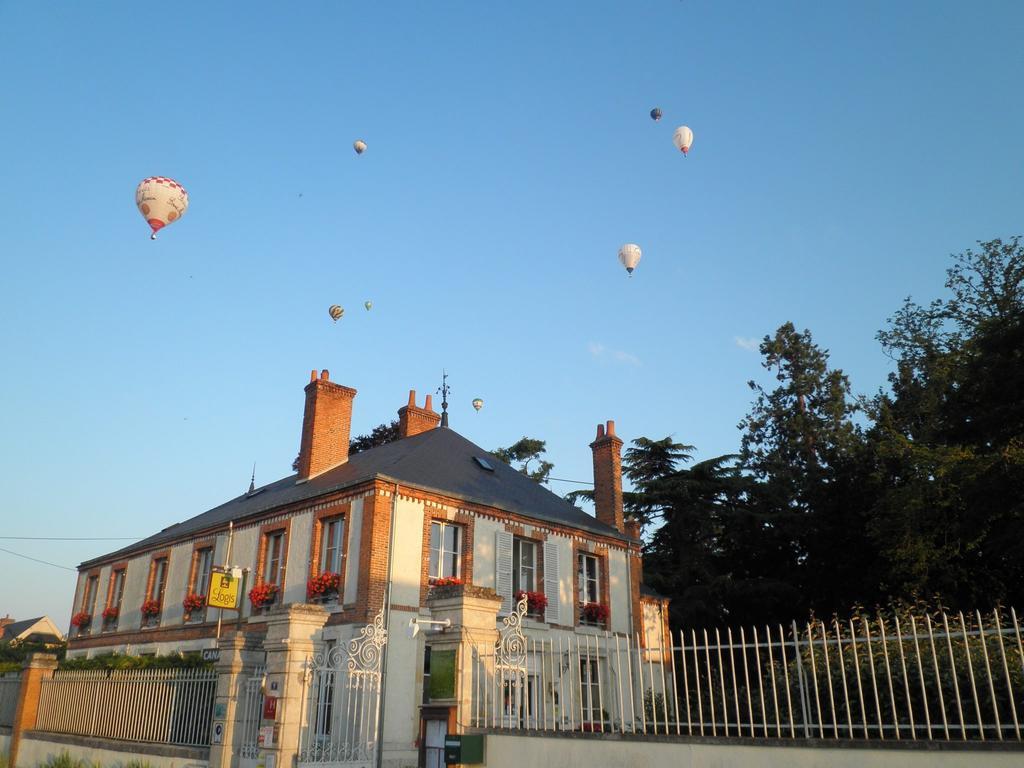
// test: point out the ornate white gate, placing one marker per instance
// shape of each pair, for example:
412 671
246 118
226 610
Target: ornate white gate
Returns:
252 711
343 693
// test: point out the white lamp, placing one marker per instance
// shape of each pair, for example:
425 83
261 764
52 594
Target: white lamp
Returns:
416 625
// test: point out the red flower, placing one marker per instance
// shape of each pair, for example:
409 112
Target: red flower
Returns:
81 619
536 602
446 581
151 608
263 594
193 602
323 584
595 612
110 613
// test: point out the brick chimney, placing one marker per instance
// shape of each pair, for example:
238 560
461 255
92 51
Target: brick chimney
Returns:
607 450
412 419
326 425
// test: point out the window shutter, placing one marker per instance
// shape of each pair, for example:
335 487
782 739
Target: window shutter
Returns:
552 581
503 569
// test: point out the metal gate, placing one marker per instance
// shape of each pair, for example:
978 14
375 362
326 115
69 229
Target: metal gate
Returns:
252 712
343 691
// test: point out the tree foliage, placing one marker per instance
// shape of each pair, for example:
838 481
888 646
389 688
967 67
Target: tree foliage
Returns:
524 451
380 435
831 501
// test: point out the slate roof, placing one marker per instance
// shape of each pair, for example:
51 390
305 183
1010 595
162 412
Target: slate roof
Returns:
438 460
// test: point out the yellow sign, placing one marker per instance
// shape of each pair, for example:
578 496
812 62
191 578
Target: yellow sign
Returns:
223 591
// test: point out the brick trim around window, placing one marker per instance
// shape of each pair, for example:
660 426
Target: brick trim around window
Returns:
465 522
193 568
261 555
121 566
601 553
344 511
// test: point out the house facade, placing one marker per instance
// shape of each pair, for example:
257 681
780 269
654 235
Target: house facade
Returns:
324 535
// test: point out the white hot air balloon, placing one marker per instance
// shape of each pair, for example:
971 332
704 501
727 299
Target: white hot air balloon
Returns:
683 138
359 146
161 201
629 255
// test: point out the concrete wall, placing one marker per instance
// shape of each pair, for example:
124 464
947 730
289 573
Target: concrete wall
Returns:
589 752
5 741
37 749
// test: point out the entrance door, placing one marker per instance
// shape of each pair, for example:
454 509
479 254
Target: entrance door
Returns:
433 743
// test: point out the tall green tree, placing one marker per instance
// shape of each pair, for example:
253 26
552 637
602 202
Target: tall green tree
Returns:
801 443
948 437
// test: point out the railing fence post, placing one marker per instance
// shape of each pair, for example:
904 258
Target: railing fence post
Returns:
801 685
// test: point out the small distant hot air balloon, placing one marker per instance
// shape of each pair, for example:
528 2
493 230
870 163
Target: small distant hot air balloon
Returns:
359 146
656 114
336 312
161 201
368 305
629 255
478 403
683 138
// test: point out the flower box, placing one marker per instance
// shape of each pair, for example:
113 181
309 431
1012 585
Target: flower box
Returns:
263 595
323 587
151 610
536 602
110 615
195 607
594 613
82 621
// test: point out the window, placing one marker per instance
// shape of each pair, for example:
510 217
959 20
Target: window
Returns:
273 566
202 570
589 580
159 581
524 565
445 550
91 588
590 686
153 607
332 540
114 599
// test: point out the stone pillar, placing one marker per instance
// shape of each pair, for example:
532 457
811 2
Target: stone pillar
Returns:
288 643
473 612
240 654
38 667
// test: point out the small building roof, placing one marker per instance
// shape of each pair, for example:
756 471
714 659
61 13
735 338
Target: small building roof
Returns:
17 629
438 460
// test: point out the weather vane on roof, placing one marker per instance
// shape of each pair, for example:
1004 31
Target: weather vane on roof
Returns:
444 390
252 483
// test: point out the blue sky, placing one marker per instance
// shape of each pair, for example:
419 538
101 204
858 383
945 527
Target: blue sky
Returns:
842 151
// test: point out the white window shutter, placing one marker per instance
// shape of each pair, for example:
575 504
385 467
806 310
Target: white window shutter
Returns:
552 582
503 569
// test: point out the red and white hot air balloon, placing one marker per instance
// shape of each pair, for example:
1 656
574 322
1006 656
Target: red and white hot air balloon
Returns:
161 201
683 138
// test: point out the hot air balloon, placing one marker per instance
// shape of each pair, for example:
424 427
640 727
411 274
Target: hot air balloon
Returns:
336 312
161 201
629 255
478 403
683 138
359 146
368 305
656 114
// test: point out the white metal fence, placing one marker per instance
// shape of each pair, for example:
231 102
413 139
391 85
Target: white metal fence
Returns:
921 676
164 706
10 686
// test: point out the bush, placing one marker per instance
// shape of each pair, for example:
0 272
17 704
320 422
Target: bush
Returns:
121 661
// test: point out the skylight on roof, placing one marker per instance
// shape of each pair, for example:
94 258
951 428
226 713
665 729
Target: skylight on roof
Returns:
484 464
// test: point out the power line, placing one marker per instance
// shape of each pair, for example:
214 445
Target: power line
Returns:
561 480
72 538
36 560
